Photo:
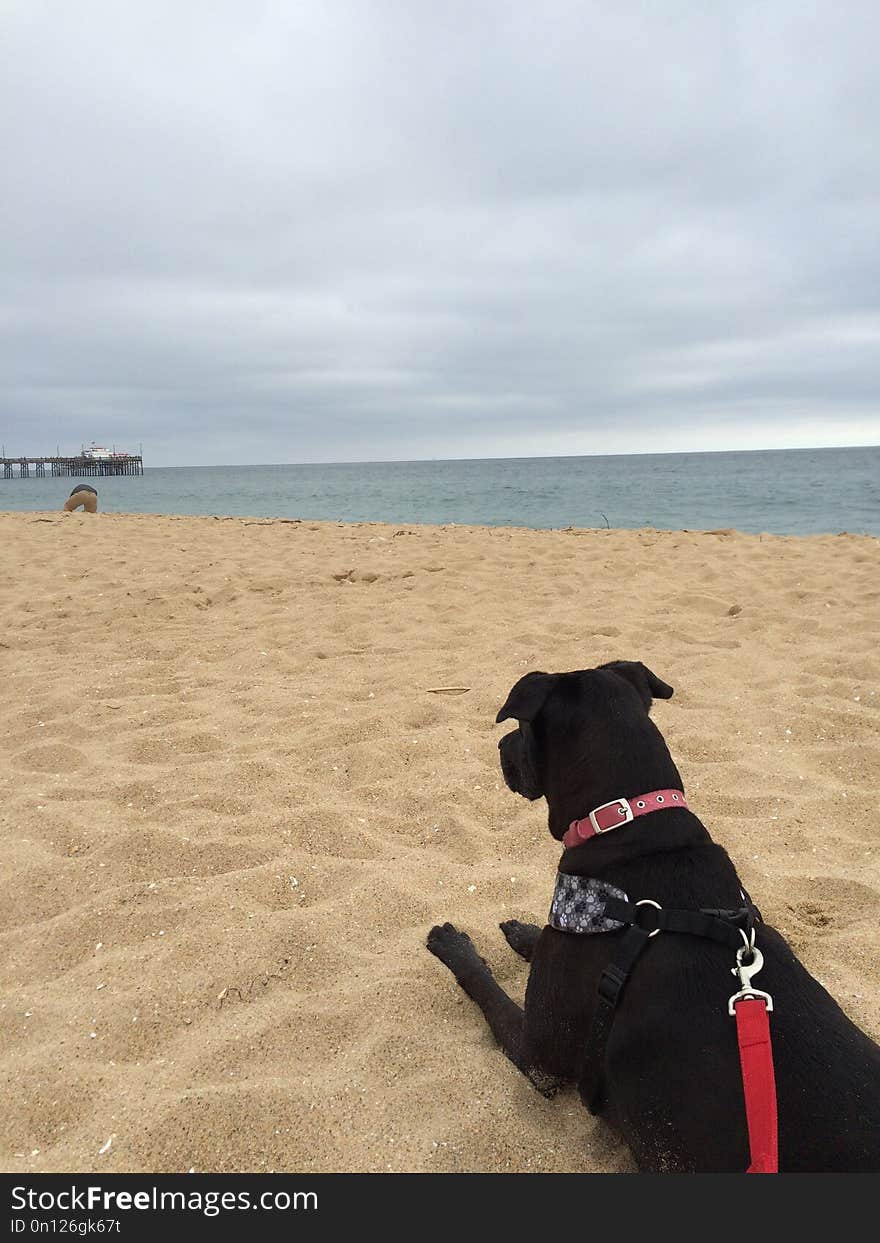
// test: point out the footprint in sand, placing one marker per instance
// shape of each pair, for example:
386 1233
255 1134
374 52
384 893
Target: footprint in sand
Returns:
52 758
812 913
825 903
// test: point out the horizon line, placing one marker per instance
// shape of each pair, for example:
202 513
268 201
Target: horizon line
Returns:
525 457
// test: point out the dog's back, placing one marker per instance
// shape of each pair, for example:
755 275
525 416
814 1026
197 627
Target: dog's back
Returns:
669 1078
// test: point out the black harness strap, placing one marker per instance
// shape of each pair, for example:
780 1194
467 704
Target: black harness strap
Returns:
723 926
611 983
730 928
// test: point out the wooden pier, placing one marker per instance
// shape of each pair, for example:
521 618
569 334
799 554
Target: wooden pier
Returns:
65 467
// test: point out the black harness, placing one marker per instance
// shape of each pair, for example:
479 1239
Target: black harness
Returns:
642 920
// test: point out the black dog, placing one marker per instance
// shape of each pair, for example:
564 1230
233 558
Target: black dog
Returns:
670 1079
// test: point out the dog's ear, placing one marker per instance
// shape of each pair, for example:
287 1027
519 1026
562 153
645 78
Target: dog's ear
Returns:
648 685
527 698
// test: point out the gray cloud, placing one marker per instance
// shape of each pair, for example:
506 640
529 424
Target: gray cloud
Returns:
371 229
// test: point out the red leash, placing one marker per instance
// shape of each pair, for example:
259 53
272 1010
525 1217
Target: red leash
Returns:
759 1084
752 1009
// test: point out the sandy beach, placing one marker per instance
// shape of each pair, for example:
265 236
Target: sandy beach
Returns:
233 802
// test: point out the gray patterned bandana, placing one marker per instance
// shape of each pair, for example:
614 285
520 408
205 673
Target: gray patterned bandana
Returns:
579 905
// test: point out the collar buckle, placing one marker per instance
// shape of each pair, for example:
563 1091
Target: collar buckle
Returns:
622 814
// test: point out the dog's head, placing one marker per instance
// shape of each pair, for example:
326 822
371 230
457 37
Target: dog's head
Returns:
572 726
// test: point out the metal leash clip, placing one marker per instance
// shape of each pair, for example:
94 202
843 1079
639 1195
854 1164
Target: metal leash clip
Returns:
745 971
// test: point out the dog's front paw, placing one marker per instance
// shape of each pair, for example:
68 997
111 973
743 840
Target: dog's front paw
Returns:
522 938
547 1085
455 949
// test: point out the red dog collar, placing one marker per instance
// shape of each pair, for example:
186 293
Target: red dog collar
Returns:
620 811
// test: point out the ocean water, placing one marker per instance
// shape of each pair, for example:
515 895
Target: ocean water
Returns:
784 492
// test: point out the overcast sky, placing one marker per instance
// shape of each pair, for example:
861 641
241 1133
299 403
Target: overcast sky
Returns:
323 230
